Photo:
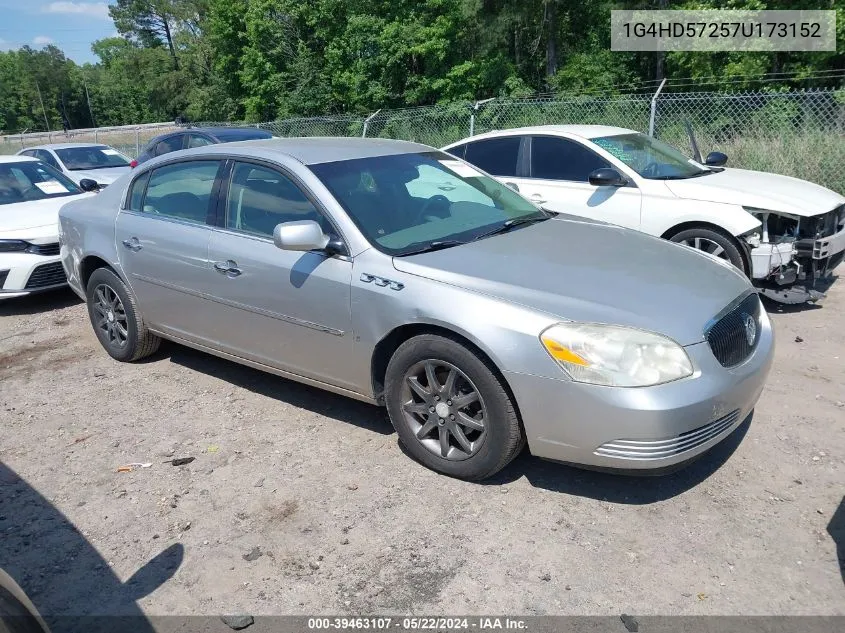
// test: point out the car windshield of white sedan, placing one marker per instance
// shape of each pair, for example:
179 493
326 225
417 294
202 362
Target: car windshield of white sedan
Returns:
25 181
412 203
651 158
94 157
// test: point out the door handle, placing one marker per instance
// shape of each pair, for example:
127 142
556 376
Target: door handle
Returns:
536 197
132 244
228 268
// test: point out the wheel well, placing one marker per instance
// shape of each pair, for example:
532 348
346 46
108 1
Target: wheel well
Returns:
685 226
89 265
385 348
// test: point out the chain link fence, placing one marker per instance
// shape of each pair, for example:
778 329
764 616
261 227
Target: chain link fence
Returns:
129 139
799 133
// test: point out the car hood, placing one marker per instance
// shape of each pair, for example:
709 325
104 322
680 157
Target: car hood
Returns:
579 270
104 176
33 219
759 189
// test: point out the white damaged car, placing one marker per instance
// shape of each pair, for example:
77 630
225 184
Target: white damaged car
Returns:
31 194
786 234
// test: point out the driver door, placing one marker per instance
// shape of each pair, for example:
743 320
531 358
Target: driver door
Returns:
286 309
558 179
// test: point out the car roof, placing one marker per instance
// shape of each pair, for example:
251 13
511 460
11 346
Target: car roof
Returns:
584 131
17 159
313 150
64 145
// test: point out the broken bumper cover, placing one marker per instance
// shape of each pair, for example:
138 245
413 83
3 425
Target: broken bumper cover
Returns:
787 272
646 428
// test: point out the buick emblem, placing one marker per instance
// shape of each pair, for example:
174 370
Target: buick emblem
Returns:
750 328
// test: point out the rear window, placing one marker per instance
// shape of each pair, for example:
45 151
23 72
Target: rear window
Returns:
230 136
95 157
496 156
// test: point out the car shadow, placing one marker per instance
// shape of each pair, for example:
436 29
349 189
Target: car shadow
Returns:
836 529
773 307
39 302
71 585
361 414
615 487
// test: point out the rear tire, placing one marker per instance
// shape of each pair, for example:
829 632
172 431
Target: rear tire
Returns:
713 242
116 319
450 409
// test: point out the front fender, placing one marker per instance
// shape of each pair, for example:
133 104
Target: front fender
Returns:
662 214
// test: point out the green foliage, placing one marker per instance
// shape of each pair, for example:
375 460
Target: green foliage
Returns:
260 60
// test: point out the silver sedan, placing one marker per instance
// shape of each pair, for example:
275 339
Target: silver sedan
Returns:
396 274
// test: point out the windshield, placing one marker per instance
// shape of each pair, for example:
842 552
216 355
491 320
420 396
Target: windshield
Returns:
25 181
651 158
413 202
94 157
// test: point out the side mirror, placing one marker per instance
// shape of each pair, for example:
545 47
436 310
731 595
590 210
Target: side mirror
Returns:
607 177
716 159
86 184
301 235
513 186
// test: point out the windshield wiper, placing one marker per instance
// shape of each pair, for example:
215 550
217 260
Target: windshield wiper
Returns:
681 177
507 225
436 245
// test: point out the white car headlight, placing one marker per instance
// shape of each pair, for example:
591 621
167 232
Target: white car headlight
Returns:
614 355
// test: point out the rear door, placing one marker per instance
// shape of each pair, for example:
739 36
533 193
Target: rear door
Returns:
162 238
286 309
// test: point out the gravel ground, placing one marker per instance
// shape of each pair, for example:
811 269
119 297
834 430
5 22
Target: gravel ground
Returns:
302 502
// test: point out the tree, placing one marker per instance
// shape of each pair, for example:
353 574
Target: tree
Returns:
153 22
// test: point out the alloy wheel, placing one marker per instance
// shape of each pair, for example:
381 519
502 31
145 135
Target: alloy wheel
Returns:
708 246
444 409
110 316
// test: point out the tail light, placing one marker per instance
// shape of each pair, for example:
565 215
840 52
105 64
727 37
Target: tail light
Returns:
133 164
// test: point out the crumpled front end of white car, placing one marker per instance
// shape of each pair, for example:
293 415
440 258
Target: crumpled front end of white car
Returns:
792 256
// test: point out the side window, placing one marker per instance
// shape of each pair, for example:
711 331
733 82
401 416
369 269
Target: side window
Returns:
561 159
496 156
459 151
29 152
47 157
195 140
182 190
260 198
170 144
136 195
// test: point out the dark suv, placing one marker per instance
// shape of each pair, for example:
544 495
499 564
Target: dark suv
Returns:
197 137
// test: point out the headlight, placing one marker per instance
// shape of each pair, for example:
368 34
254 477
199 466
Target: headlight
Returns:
615 356
13 246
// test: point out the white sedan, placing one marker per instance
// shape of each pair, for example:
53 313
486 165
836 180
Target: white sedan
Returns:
786 234
100 163
31 194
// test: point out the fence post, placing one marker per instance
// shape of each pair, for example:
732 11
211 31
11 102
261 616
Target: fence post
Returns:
475 108
95 135
654 108
137 142
367 122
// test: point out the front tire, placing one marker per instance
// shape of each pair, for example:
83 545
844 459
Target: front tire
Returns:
115 318
713 242
450 409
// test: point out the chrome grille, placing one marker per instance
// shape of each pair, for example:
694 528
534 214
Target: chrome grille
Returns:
46 275
658 449
729 336
44 249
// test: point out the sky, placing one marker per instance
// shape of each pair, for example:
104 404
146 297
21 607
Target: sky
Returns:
72 25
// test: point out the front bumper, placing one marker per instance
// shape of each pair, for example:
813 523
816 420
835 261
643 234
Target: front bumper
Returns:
25 273
649 428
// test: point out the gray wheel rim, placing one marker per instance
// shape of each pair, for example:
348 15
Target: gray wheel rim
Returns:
708 246
110 316
444 409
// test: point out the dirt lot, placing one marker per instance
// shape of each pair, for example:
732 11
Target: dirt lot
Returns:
301 502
